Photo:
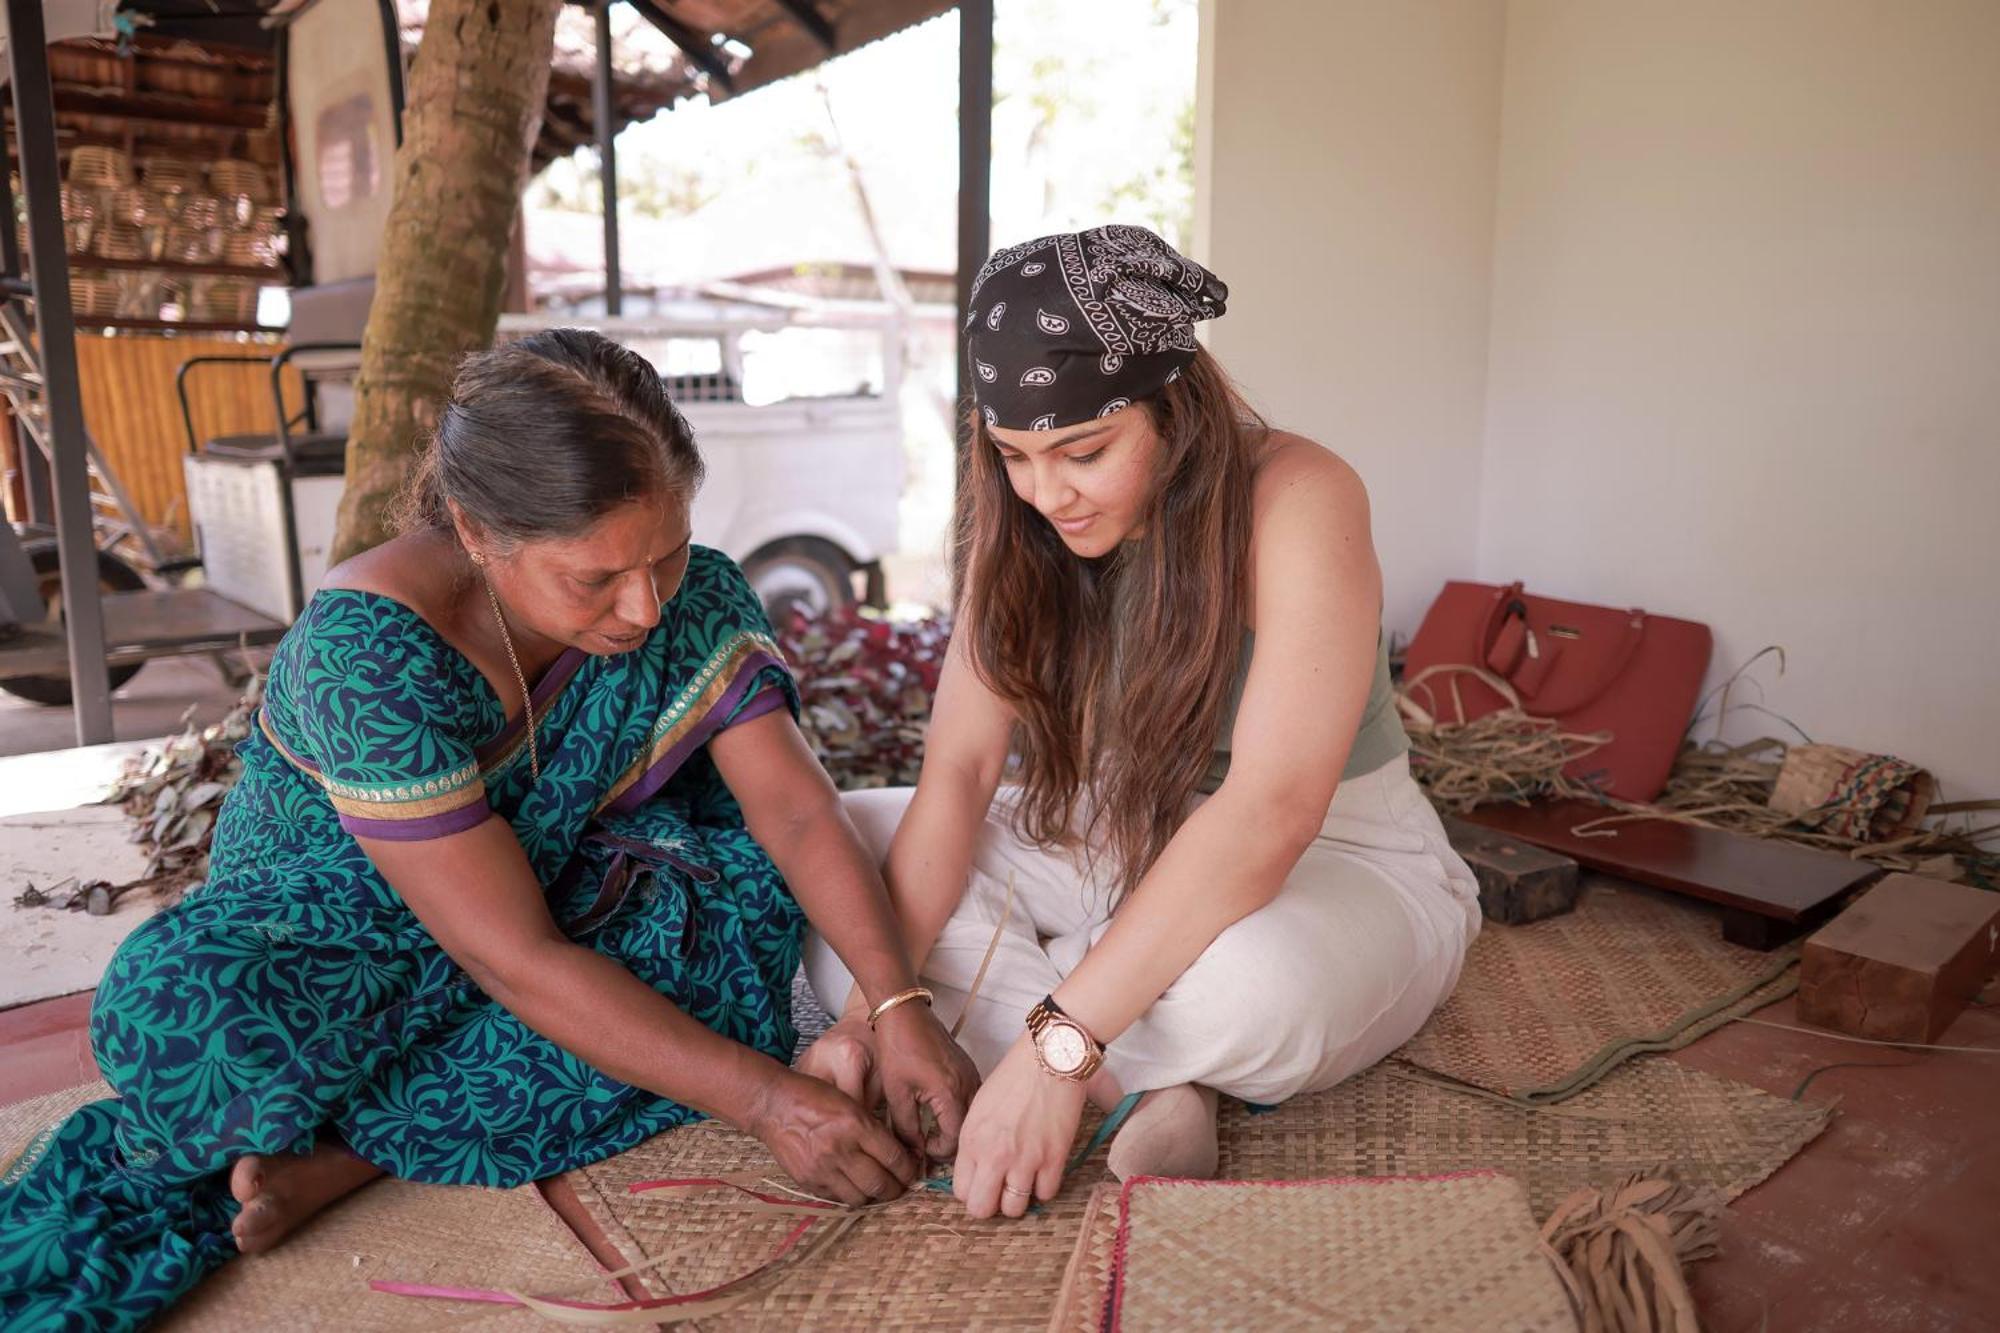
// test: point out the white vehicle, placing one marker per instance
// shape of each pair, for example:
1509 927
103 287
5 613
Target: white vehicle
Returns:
797 418
803 487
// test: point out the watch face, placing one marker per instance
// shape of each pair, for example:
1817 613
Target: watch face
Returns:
1063 1047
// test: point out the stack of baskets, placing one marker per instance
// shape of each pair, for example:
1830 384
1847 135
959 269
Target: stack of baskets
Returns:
169 211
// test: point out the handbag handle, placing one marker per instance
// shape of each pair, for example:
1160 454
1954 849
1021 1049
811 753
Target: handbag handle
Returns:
1504 653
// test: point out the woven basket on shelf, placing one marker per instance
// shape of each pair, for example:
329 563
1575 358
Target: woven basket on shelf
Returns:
170 175
99 166
135 204
138 293
201 210
93 294
254 248
185 244
223 300
233 178
119 240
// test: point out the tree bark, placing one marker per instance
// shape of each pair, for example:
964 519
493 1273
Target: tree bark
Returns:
476 89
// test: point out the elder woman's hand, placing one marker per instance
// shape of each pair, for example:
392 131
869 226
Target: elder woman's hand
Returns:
921 1068
828 1143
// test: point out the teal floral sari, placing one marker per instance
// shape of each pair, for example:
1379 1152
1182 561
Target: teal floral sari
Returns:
295 995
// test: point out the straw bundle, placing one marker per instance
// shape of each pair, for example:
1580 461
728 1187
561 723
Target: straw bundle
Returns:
1621 1250
1508 755
1505 755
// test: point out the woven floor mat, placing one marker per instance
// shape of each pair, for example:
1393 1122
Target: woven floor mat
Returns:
1542 1011
24 1123
921 1262
1649 1115
391 1230
1455 1252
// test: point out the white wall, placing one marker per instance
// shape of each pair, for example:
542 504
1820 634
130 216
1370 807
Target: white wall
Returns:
1746 347
1694 306
1344 191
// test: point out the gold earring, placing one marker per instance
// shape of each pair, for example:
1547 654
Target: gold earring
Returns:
478 558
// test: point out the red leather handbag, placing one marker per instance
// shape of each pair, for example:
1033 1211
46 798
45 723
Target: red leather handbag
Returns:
1590 668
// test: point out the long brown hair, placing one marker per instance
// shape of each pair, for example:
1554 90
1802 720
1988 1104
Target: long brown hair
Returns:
1118 668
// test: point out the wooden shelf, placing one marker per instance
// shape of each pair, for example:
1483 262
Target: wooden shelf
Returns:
86 322
161 108
275 273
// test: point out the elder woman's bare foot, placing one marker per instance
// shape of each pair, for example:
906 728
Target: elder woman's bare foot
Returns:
278 1191
1171 1132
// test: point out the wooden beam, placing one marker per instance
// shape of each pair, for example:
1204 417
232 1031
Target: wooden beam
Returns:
812 21
696 46
204 111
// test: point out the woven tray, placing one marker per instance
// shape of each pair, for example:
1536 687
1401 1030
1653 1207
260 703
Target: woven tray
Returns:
919 1263
1443 1253
1544 1010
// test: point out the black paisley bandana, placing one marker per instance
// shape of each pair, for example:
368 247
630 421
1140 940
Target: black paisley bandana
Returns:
1076 326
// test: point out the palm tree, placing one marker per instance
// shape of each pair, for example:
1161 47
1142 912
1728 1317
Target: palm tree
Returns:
476 88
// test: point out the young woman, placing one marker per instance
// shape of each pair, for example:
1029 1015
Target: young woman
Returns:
1212 871
463 928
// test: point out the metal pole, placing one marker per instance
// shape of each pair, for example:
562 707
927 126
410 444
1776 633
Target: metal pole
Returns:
607 162
34 468
975 168
41 177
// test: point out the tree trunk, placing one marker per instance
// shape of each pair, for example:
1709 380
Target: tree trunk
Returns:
476 89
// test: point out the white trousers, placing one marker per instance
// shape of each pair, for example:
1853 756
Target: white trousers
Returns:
1364 940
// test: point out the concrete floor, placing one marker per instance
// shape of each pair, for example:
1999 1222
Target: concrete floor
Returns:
150 705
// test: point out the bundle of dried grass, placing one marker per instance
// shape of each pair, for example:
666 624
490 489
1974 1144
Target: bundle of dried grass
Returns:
1620 1250
1508 755
1505 755
1729 787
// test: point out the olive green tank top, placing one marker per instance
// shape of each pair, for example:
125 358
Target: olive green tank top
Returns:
1379 738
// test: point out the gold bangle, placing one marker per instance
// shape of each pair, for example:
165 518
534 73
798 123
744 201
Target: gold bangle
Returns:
900 997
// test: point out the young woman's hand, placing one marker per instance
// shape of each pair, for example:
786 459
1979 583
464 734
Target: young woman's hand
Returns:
1016 1138
828 1143
920 1067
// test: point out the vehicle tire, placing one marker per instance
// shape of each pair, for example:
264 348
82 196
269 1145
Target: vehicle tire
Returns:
801 574
113 575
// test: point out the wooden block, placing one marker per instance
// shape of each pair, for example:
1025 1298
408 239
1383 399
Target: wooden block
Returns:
1518 881
1902 962
1769 891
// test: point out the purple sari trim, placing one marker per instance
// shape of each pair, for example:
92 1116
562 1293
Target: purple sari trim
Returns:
560 673
655 777
419 830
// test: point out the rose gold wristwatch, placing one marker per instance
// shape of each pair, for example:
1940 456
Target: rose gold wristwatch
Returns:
1062 1047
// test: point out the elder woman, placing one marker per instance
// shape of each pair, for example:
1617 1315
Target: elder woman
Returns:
516 875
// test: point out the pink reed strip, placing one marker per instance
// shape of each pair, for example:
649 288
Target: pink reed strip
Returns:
640 1187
